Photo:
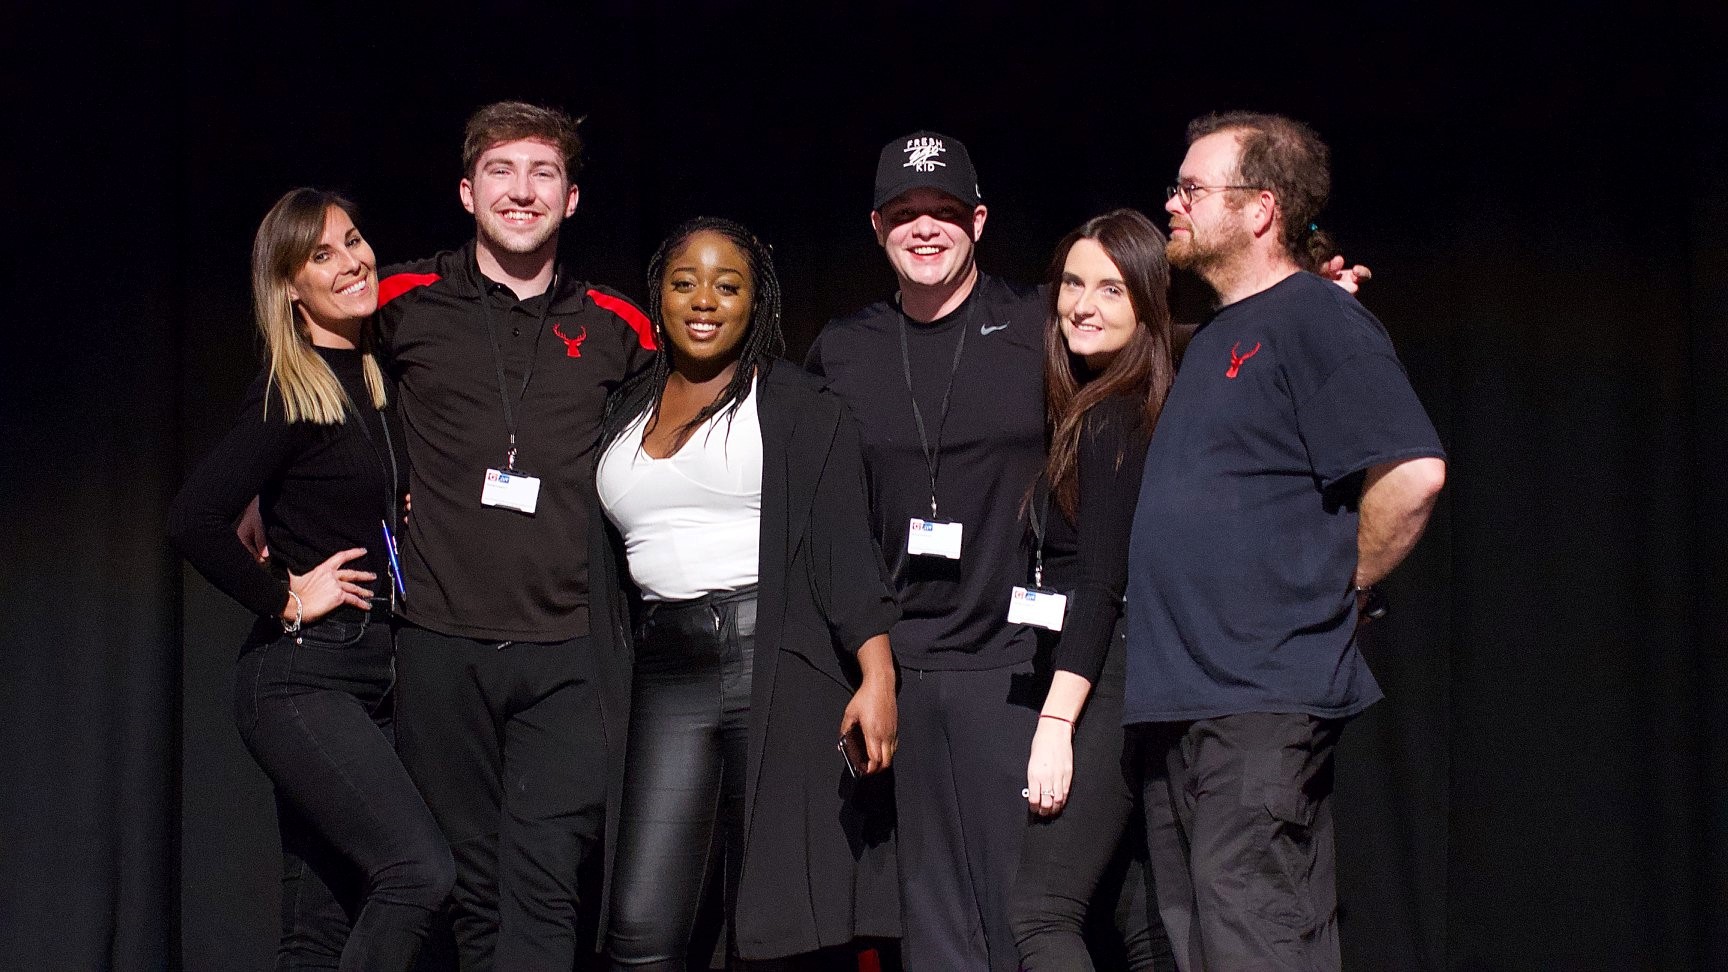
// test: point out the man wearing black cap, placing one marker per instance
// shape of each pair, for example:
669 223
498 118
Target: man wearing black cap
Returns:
946 382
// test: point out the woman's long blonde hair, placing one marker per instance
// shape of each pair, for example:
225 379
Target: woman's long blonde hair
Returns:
291 230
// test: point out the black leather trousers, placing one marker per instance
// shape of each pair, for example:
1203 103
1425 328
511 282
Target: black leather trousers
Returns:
681 826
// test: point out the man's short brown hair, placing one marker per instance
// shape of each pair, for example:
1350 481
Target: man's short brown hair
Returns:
1287 158
511 121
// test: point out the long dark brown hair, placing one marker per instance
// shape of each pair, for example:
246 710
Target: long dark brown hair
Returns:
1142 370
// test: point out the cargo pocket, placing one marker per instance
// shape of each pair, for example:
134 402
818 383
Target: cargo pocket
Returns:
1288 866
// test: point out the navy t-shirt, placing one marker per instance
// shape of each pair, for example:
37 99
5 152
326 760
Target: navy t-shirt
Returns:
1243 552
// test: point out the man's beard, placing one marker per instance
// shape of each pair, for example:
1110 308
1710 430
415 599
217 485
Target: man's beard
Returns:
1209 257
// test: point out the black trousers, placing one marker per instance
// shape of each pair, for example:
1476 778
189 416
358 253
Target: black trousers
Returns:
1083 897
505 741
1239 823
681 832
364 868
958 773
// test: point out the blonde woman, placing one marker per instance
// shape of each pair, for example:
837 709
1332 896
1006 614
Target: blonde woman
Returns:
365 867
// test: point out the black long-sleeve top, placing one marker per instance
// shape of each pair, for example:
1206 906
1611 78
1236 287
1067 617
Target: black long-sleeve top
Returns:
1089 559
989 449
321 489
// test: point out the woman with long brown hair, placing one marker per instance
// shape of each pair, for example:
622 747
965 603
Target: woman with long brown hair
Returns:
365 868
1108 367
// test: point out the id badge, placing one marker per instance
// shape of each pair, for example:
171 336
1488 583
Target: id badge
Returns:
1037 606
510 490
933 538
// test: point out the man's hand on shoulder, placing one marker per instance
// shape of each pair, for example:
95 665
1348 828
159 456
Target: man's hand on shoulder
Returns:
250 529
1350 278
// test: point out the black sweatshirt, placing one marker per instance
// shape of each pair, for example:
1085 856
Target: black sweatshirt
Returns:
954 613
321 489
1088 561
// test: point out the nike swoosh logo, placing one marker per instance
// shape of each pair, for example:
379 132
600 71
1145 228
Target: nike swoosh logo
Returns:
987 329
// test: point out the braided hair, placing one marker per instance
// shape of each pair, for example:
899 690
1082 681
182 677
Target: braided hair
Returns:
763 342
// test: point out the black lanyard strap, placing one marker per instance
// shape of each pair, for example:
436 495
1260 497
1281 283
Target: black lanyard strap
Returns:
932 455
528 373
390 496
390 488
1040 513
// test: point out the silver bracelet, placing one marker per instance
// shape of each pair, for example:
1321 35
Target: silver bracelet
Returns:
293 627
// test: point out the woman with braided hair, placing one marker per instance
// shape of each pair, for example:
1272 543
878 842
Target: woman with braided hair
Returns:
733 487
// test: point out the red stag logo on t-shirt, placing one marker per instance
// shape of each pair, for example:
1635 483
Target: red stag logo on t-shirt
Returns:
1237 359
573 345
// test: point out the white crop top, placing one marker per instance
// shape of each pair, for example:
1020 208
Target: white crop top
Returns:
692 521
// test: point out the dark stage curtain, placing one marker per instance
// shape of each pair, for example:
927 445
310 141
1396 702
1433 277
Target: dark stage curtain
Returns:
89 420
1544 202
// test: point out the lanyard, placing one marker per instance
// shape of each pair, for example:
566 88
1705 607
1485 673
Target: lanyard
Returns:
1040 512
393 564
932 456
498 362
390 449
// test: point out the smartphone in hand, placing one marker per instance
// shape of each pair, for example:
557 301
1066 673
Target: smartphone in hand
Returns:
852 750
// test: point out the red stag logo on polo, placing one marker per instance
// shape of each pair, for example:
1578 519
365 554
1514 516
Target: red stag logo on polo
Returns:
572 345
1237 359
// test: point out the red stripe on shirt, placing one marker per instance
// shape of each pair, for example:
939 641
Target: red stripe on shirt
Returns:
637 320
397 284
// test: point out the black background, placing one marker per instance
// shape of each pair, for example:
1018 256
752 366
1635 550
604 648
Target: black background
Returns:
1539 193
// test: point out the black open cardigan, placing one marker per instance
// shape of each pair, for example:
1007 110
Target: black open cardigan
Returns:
818 864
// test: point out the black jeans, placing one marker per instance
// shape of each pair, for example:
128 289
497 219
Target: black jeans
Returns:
364 868
505 741
1082 899
1239 823
683 815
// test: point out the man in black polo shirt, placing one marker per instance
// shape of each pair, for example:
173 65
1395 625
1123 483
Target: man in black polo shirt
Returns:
504 364
1292 469
946 382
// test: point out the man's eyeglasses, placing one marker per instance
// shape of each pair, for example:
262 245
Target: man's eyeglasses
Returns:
1188 191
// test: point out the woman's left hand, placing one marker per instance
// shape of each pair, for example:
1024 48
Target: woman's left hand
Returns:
1050 768
872 708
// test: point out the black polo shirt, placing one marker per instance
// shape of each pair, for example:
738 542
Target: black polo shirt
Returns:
1243 551
483 572
953 613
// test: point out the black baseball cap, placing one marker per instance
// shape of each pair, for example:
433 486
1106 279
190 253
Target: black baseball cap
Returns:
926 160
